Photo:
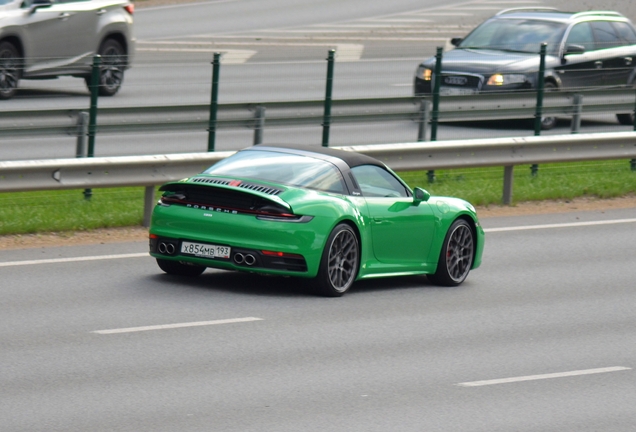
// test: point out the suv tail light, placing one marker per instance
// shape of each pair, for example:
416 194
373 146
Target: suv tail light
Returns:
130 8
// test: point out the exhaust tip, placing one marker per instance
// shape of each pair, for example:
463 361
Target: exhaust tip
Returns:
239 258
166 248
250 259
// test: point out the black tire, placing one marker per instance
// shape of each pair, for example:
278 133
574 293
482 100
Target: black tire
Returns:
10 70
339 263
548 123
111 71
178 268
456 257
625 119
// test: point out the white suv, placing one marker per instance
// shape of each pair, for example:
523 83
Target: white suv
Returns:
42 39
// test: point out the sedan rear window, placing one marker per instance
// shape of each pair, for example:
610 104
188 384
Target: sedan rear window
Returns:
283 168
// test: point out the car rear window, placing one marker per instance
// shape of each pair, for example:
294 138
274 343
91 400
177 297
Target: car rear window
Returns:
282 168
625 33
605 35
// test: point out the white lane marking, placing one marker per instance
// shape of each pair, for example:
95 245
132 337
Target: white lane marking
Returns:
399 20
182 5
345 52
179 325
230 56
74 259
505 2
543 376
448 14
563 225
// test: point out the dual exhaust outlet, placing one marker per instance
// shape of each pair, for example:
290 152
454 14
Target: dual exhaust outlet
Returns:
166 248
247 259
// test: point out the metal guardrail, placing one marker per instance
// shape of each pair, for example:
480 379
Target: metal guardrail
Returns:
485 106
150 171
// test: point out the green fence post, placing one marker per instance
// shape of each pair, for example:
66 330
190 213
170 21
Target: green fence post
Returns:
539 108
92 114
214 100
437 79
326 120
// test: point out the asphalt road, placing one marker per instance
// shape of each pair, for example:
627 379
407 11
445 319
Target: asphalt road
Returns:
275 50
542 337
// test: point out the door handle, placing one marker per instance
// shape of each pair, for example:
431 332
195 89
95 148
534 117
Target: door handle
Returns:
101 12
64 15
598 64
628 61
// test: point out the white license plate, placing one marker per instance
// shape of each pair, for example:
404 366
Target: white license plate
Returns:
454 91
205 250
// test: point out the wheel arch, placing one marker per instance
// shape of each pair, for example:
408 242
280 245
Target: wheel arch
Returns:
16 42
473 227
551 79
119 38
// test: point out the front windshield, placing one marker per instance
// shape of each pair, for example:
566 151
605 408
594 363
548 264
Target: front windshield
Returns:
519 35
285 168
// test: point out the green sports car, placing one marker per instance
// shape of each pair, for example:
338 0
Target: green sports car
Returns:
323 214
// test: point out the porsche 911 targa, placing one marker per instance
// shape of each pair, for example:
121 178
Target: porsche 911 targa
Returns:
323 214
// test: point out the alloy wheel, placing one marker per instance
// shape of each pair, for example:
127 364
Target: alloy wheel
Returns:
459 253
343 260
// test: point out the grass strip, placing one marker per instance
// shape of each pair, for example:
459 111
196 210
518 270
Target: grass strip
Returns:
67 210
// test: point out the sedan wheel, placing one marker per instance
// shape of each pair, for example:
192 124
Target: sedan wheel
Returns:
111 71
9 70
456 257
339 263
180 269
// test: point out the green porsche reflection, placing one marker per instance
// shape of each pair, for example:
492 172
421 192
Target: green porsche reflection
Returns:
327 215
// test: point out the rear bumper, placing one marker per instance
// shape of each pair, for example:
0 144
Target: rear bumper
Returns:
239 259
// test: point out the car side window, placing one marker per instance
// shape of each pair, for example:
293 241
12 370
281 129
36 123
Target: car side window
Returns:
625 33
375 181
605 35
581 34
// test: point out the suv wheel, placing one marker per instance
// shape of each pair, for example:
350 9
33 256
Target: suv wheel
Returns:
111 71
10 70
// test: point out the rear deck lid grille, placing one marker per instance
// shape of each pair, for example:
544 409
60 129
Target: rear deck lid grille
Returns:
269 190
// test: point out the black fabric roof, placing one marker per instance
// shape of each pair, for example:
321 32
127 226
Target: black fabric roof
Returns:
352 159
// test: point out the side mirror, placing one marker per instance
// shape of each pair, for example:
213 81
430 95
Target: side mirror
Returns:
574 49
420 195
456 41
